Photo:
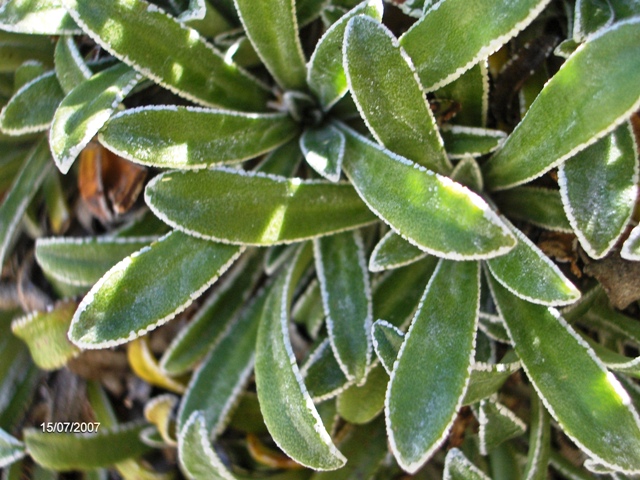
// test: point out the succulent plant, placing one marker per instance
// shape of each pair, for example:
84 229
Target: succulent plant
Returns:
319 239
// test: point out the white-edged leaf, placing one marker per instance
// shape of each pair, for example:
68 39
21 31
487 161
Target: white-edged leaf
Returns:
40 17
540 206
539 441
590 16
459 467
71 68
468 173
11 449
460 141
393 251
323 149
322 374
631 246
497 424
387 340
471 92
487 378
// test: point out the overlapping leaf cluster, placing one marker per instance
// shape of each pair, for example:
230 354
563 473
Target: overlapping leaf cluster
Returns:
363 248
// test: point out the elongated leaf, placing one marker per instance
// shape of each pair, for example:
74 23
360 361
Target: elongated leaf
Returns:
590 405
540 206
393 251
32 107
323 149
467 172
590 16
591 95
68 451
148 288
258 209
272 27
346 295
497 425
308 309
145 366
442 56
528 273
286 405
40 17
71 70
82 261
11 449
539 441
387 341
85 110
458 467
45 333
24 187
196 71
487 378
322 374
389 96
631 247
148 135
471 92
615 361
598 188
432 212
432 371
159 412
325 75
460 141
15 49
218 382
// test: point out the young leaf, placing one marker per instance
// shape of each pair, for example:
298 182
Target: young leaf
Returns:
41 17
11 449
497 424
159 412
24 187
32 107
148 288
195 70
528 273
430 211
71 69
539 441
82 261
259 209
590 405
598 189
540 206
325 74
323 149
387 341
467 172
389 96
272 27
85 110
460 141
458 467
431 374
441 56
147 135
145 366
592 94
346 296
286 405
393 251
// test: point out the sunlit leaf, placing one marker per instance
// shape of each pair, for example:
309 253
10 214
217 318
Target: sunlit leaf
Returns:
40 17
71 68
323 149
631 247
15 49
11 449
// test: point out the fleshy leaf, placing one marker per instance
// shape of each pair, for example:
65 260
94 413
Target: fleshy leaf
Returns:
539 441
82 261
528 273
458 467
442 56
71 69
434 213
148 288
323 149
497 424
258 209
41 17
589 404
272 27
346 296
393 251
387 341
11 449
460 141
389 96
598 189
32 107
540 206
85 110
422 403
325 75
591 94
196 71
286 405
207 137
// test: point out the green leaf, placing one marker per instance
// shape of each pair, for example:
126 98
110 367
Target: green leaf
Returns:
625 8
471 92
86 109
487 378
39 17
442 55
82 261
460 141
148 289
308 310
45 333
539 441
389 96
130 29
467 172
361 404
272 27
540 206
322 374
387 340
71 69
528 273
11 449
497 425
458 467
32 107
431 374
393 251
631 246
430 211
615 361
15 49
323 149
286 405
346 296
592 94
68 451
325 74
259 209
598 189
308 10
213 318
590 16
589 404
24 187
207 137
